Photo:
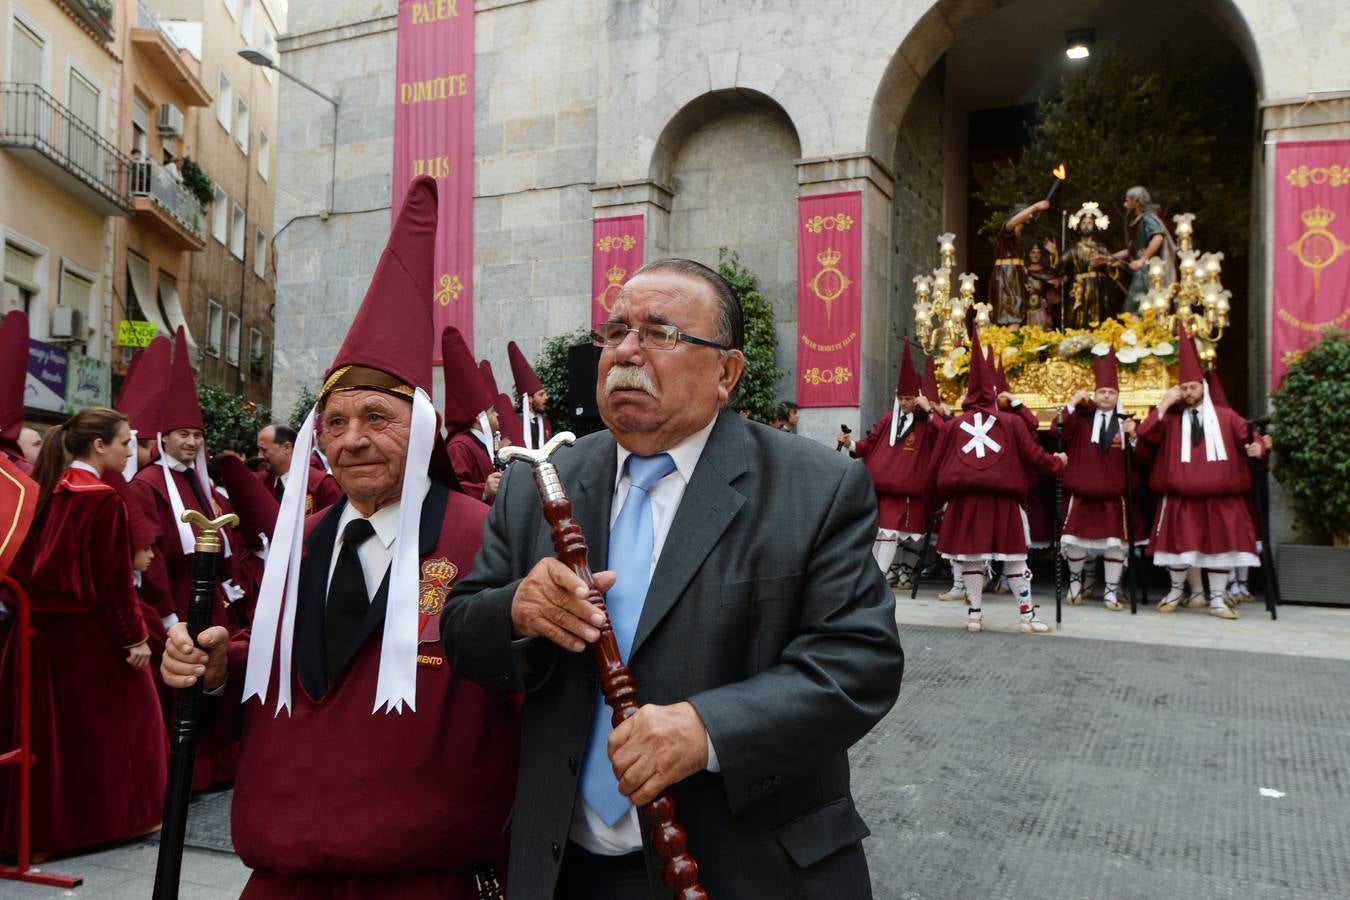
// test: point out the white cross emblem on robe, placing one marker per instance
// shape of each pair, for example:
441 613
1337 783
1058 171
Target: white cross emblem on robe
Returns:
980 438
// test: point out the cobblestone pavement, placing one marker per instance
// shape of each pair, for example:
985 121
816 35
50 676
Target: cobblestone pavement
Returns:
1046 767
1019 767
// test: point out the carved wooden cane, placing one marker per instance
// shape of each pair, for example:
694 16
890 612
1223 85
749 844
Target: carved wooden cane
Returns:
669 839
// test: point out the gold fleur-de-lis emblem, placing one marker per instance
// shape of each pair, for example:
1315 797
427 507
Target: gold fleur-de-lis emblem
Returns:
449 289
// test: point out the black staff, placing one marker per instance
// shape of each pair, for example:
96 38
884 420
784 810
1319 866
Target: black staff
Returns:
1128 501
934 522
1260 488
183 734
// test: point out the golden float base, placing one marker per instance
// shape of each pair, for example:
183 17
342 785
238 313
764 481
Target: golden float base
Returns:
1046 386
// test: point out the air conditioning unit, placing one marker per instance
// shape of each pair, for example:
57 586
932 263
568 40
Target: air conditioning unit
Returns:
68 323
170 120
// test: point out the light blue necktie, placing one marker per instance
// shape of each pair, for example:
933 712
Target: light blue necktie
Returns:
631 544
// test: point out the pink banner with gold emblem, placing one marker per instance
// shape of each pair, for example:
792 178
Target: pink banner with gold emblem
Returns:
433 135
829 298
1311 277
616 253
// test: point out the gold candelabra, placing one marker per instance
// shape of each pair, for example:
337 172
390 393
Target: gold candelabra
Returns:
1198 299
940 317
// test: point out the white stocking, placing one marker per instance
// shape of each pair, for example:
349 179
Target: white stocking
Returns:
883 551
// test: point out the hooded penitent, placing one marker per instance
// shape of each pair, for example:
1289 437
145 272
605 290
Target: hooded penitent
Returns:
388 348
251 501
1188 370
142 397
178 408
466 393
527 383
1104 372
908 386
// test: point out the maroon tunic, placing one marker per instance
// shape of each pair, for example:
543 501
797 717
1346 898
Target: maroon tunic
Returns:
1094 481
15 455
332 800
900 473
1204 504
984 514
98 735
471 463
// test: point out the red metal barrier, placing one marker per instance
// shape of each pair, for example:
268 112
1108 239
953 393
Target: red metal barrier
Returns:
22 755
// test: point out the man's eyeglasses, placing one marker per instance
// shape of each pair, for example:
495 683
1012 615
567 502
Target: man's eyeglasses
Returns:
651 336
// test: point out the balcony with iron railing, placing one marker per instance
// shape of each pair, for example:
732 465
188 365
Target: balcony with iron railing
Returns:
44 135
167 206
165 56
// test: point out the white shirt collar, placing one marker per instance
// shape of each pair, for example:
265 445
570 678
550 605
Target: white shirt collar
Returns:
85 467
686 453
175 463
384 520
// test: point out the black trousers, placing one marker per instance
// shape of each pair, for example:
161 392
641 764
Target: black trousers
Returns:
590 876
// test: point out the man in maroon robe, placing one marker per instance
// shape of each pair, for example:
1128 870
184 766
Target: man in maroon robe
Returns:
276 446
13 376
978 472
531 399
897 452
1203 479
470 419
368 769
1096 433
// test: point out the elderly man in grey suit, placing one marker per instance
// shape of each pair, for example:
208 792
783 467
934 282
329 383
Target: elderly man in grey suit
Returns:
743 594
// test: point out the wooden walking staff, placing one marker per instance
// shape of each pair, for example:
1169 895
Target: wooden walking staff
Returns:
669 839
183 734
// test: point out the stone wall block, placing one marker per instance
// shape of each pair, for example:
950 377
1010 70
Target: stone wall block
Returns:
530 133
530 208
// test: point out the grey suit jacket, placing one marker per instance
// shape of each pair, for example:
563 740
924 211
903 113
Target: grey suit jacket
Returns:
766 611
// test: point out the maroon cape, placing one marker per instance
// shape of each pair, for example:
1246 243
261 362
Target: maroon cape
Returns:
1095 481
322 492
983 493
900 473
332 800
98 735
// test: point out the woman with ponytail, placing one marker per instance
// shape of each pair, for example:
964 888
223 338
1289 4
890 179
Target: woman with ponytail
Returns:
98 733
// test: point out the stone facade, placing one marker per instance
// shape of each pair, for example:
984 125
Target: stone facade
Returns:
684 112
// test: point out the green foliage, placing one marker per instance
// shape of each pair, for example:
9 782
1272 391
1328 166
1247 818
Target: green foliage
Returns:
1182 133
1312 438
759 384
197 181
551 367
228 416
303 404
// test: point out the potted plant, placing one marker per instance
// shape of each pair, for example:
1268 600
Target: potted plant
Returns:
197 182
1311 430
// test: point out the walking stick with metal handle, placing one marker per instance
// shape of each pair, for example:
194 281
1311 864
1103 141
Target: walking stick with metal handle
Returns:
1127 504
1058 550
669 839
183 733
1260 486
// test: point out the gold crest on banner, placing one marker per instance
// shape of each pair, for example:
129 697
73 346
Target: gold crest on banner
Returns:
830 283
611 242
1317 247
615 277
449 290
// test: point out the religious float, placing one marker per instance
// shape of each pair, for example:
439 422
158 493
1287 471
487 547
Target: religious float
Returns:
1045 366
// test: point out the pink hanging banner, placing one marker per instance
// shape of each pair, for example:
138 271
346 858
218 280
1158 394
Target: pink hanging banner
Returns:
433 135
829 298
1311 277
616 253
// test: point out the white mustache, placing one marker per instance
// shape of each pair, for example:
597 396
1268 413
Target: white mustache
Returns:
620 378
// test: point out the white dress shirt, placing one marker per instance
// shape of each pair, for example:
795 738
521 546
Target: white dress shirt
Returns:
375 553
588 829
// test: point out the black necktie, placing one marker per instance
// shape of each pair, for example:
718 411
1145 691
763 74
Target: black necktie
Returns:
348 601
1197 430
278 489
1106 432
197 491
903 430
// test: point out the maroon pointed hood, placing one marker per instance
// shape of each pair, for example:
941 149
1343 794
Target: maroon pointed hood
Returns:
980 391
466 393
13 376
249 497
929 385
142 395
178 406
391 334
509 421
1216 394
527 382
1104 371
909 385
1189 368
485 372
